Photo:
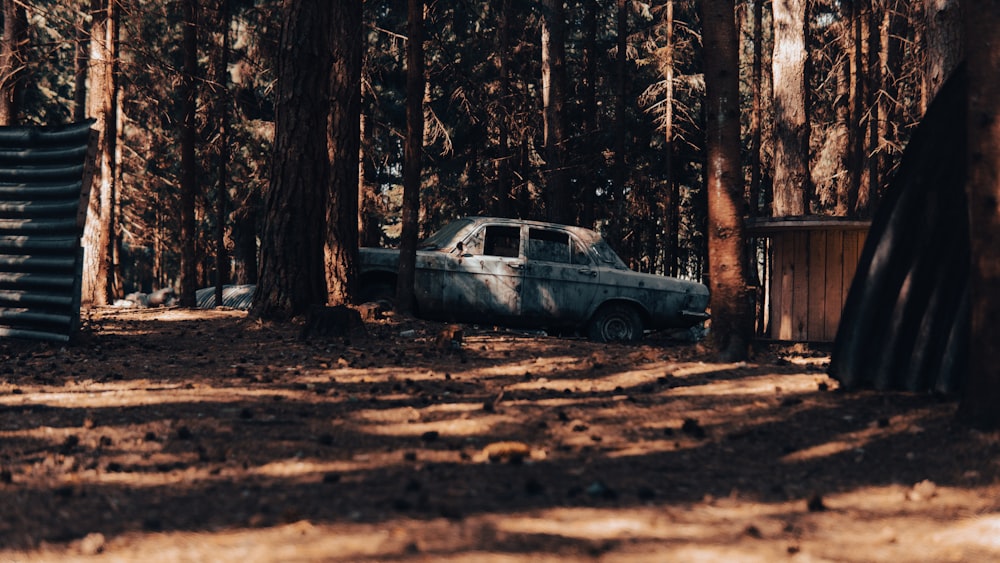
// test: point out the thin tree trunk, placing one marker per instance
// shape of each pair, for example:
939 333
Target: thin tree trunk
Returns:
292 274
505 199
857 198
874 149
415 83
81 67
756 108
672 204
982 391
189 163
345 146
557 196
732 315
619 217
222 190
369 230
588 199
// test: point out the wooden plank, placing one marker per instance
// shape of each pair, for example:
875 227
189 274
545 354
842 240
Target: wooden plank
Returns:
800 288
816 329
781 324
852 251
835 290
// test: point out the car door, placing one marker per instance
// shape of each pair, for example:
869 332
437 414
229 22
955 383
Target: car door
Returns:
485 280
560 279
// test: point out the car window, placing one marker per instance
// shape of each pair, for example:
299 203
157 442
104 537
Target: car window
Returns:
446 235
548 246
580 256
501 241
608 256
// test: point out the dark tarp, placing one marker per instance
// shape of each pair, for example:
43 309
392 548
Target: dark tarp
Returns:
905 321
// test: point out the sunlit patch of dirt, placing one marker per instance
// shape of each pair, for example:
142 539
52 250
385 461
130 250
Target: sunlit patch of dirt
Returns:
192 435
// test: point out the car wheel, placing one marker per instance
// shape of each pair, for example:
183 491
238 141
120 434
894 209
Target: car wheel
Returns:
615 322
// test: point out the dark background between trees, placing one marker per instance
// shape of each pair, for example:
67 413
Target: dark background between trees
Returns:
590 112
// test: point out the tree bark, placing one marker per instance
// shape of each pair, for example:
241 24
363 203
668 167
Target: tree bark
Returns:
505 199
982 392
222 190
557 196
588 95
944 41
618 219
415 83
791 151
732 319
292 274
345 146
672 204
756 109
80 70
189 163
874 148
12 62
98 286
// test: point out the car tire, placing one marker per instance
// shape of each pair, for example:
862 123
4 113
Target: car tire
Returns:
615 322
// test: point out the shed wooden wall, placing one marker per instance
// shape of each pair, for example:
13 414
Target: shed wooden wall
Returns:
811 272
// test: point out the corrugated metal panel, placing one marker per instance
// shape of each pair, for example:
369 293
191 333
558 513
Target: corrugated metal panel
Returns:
233 296
45 175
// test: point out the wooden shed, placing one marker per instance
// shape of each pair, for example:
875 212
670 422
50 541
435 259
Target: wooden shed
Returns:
810 264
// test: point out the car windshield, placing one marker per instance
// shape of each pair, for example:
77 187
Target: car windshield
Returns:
446 236
608 256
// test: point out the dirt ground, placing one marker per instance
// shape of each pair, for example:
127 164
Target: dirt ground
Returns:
178 435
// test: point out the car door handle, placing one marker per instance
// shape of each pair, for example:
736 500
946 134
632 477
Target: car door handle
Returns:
588 272
515 266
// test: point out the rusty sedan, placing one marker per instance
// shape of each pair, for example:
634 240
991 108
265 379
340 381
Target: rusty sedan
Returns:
535 274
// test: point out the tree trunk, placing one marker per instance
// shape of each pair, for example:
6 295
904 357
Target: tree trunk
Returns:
619 217
944 41
874 148
81 67
244 235
588 199
672 204
405 301
189 163
732 318
756 109
98 279
557 196
345 146
12 61
857 198
505 199
292 274
222 190
982 392
791 150
369 228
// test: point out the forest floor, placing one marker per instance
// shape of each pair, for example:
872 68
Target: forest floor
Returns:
180 435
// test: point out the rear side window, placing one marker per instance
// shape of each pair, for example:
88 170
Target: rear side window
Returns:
549 246
502 241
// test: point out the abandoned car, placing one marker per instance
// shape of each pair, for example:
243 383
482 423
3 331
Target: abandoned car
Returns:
533 274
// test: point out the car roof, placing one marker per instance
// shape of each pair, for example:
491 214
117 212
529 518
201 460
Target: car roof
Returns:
587 235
